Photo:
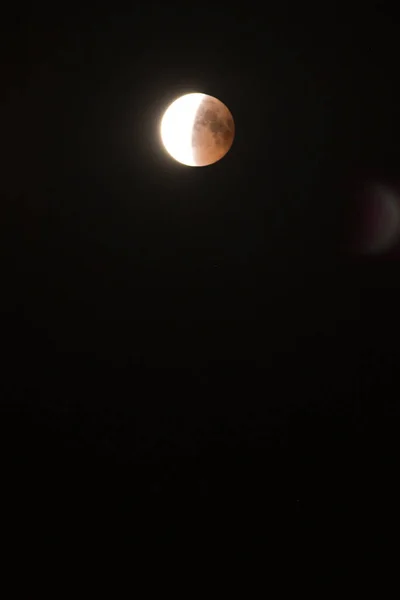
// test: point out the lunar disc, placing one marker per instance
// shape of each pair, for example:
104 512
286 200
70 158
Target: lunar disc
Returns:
197 130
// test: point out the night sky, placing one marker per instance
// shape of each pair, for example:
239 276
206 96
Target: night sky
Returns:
184 348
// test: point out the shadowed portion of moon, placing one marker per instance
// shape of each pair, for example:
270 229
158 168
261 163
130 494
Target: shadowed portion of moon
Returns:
213 131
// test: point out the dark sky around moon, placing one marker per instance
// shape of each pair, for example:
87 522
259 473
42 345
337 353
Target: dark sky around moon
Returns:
190 324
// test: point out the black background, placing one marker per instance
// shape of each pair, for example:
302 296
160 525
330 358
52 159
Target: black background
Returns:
197 350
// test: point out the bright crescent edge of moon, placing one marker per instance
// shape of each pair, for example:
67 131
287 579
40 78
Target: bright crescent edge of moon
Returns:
177 126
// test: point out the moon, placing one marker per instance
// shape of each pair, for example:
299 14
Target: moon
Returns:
385 215
197 130
379 228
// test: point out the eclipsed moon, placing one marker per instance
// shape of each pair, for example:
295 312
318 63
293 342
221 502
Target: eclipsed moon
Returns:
381 226
197 130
